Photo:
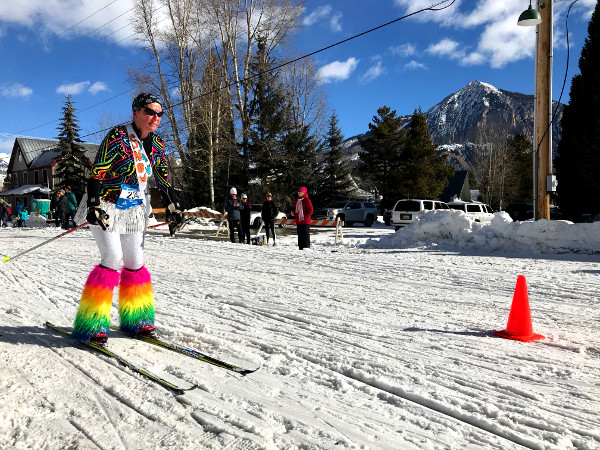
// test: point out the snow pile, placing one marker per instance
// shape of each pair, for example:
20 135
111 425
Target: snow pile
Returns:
453 229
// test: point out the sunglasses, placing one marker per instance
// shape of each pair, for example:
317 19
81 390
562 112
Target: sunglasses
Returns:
153 113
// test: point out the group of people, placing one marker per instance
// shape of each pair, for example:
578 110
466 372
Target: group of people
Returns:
63 206
18 216
239 210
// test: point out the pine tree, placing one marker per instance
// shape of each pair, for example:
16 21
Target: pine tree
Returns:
269 120
380 155
336 180
578 188
71 167
422 172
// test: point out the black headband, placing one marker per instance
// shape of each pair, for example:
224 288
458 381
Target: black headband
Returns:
144 99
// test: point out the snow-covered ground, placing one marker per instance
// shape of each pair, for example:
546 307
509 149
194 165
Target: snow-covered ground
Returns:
383 342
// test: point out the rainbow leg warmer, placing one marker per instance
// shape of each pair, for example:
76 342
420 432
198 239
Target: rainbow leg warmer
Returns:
136 300
93 315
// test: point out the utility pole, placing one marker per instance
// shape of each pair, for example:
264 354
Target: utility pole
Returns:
543 112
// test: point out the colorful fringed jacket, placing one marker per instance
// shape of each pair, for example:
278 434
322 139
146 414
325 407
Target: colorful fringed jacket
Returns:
115 165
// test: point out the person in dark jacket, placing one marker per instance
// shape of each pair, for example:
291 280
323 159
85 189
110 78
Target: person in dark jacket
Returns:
269 214
245 216
3 213
61 208
233 206
302 212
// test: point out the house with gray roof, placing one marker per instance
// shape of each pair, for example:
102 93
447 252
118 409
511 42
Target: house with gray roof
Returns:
31 169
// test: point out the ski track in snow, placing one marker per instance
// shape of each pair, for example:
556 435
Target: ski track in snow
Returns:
381 349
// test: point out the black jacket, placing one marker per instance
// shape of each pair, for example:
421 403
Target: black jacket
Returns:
269 210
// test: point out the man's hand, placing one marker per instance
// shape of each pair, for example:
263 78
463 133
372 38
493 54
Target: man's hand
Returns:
97 216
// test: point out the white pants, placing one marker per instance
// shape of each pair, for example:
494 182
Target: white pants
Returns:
115 247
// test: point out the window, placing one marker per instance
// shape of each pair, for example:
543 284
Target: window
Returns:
354 205
36 176
441 205
489 209
25 179
44 176
428 205
408 205
473 208
459 207
370 205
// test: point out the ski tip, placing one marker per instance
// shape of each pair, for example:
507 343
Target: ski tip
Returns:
247 371
6 259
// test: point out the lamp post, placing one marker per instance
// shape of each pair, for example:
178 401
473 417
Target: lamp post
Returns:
542 135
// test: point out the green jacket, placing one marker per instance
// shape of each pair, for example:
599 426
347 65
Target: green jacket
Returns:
71 201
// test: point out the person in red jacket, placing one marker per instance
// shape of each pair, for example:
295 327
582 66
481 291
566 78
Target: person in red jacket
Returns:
302 211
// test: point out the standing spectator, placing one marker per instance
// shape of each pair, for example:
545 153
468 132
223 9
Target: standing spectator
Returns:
269 214
23 216
302 211
61 208
245 215
71 207
233 208
18 208
3 213
117 210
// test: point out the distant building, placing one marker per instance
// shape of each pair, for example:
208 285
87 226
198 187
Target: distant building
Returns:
31 168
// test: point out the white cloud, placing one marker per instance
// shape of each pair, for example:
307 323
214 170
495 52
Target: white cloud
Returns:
497 39
322 12
334 23
374 71
6 146
337 70
414 65
444 47
98 86
71 18
72 88
78 88
403 50
15 90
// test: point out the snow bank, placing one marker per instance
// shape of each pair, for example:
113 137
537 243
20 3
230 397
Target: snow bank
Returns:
453 229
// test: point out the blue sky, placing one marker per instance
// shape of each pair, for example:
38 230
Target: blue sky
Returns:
51 47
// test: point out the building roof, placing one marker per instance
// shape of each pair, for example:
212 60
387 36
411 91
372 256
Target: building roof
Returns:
39 153
27 189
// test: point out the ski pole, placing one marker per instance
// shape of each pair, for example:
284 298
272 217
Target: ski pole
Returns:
8 258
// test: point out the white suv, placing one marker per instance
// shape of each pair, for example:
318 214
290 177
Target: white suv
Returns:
476 211
409 209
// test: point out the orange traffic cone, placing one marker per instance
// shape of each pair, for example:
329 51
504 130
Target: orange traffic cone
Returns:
519 325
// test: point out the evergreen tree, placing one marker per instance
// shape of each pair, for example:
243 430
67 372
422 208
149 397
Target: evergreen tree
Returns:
299 165
521 150
579 149
422 172
269 120
336 181
380 155
71 167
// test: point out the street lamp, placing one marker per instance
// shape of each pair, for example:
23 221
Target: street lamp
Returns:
542 136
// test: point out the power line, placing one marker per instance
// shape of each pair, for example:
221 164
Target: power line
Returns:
83 20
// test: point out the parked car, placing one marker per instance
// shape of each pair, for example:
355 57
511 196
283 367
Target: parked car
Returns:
256 220
409 209
479 212
348 211
387 217
520 211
